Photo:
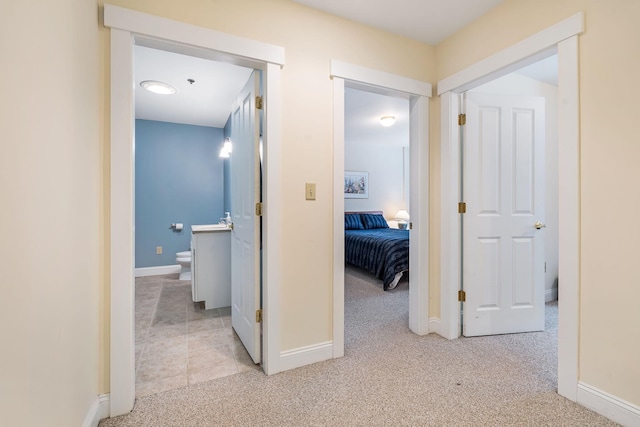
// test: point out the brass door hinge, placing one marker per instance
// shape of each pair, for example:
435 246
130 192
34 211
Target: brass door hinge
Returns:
259 102
462 207
259 209
462 296
258 315
462 119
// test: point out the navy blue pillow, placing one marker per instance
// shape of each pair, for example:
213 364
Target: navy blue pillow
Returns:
352 222
373 221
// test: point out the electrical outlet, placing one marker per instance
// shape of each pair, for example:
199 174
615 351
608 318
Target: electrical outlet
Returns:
310 191
158 250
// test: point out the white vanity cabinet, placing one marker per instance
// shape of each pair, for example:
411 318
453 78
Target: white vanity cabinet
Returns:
211 265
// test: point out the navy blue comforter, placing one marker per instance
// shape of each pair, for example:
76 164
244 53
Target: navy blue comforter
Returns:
381 251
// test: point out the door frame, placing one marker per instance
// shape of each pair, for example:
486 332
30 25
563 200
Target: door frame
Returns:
129 28
561 38
418 94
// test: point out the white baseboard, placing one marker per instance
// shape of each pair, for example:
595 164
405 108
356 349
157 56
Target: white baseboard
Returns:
437 326
302 356
99 410
551 294
157 271
608 406
434 325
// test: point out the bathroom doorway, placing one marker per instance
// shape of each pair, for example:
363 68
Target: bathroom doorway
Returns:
129 29
181 180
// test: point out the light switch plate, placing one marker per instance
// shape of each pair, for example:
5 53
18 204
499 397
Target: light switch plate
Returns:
310 191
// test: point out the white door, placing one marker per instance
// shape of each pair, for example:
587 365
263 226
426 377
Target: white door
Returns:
245 236
503 188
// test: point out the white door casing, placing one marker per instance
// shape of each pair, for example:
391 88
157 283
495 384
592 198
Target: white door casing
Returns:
129 28
245 235
562 38
418 93
503 186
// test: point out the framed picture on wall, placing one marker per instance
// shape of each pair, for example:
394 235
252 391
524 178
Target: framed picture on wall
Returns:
356 185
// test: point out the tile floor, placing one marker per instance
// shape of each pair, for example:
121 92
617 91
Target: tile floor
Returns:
178 343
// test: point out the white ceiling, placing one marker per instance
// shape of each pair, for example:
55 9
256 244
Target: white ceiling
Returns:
545 70
428 21
362 118
206 102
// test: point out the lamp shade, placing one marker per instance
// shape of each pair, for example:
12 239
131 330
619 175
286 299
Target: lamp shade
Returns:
402 215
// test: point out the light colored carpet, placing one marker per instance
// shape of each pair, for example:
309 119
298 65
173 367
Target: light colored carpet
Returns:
388 377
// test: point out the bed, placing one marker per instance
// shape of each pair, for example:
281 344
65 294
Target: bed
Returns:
371 245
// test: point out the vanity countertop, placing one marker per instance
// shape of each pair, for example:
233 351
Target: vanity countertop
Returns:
207 228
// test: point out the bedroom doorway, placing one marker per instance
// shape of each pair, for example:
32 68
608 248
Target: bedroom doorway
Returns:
416 93
378 151
561 38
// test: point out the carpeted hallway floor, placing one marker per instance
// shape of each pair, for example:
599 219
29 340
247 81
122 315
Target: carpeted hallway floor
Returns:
388 377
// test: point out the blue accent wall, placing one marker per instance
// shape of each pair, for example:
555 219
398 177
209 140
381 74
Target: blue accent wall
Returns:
179 178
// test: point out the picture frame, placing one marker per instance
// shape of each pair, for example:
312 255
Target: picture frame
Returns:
356 185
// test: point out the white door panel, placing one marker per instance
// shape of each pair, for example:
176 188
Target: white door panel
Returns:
245 236
503 253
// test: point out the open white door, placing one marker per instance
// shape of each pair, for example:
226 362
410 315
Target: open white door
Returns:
245 236
503 230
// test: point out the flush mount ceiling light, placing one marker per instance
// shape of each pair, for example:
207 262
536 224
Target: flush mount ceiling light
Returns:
387 121
160 88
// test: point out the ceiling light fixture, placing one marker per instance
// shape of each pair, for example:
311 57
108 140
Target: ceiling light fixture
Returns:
160 88
387 121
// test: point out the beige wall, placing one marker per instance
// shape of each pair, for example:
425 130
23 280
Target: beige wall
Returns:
609 149
52 213
53 175
310 39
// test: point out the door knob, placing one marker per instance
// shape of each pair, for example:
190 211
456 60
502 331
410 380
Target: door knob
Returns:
539 225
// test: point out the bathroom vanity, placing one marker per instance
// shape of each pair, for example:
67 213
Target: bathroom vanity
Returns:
211 265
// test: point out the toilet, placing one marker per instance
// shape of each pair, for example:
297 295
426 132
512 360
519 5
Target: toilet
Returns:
184 259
